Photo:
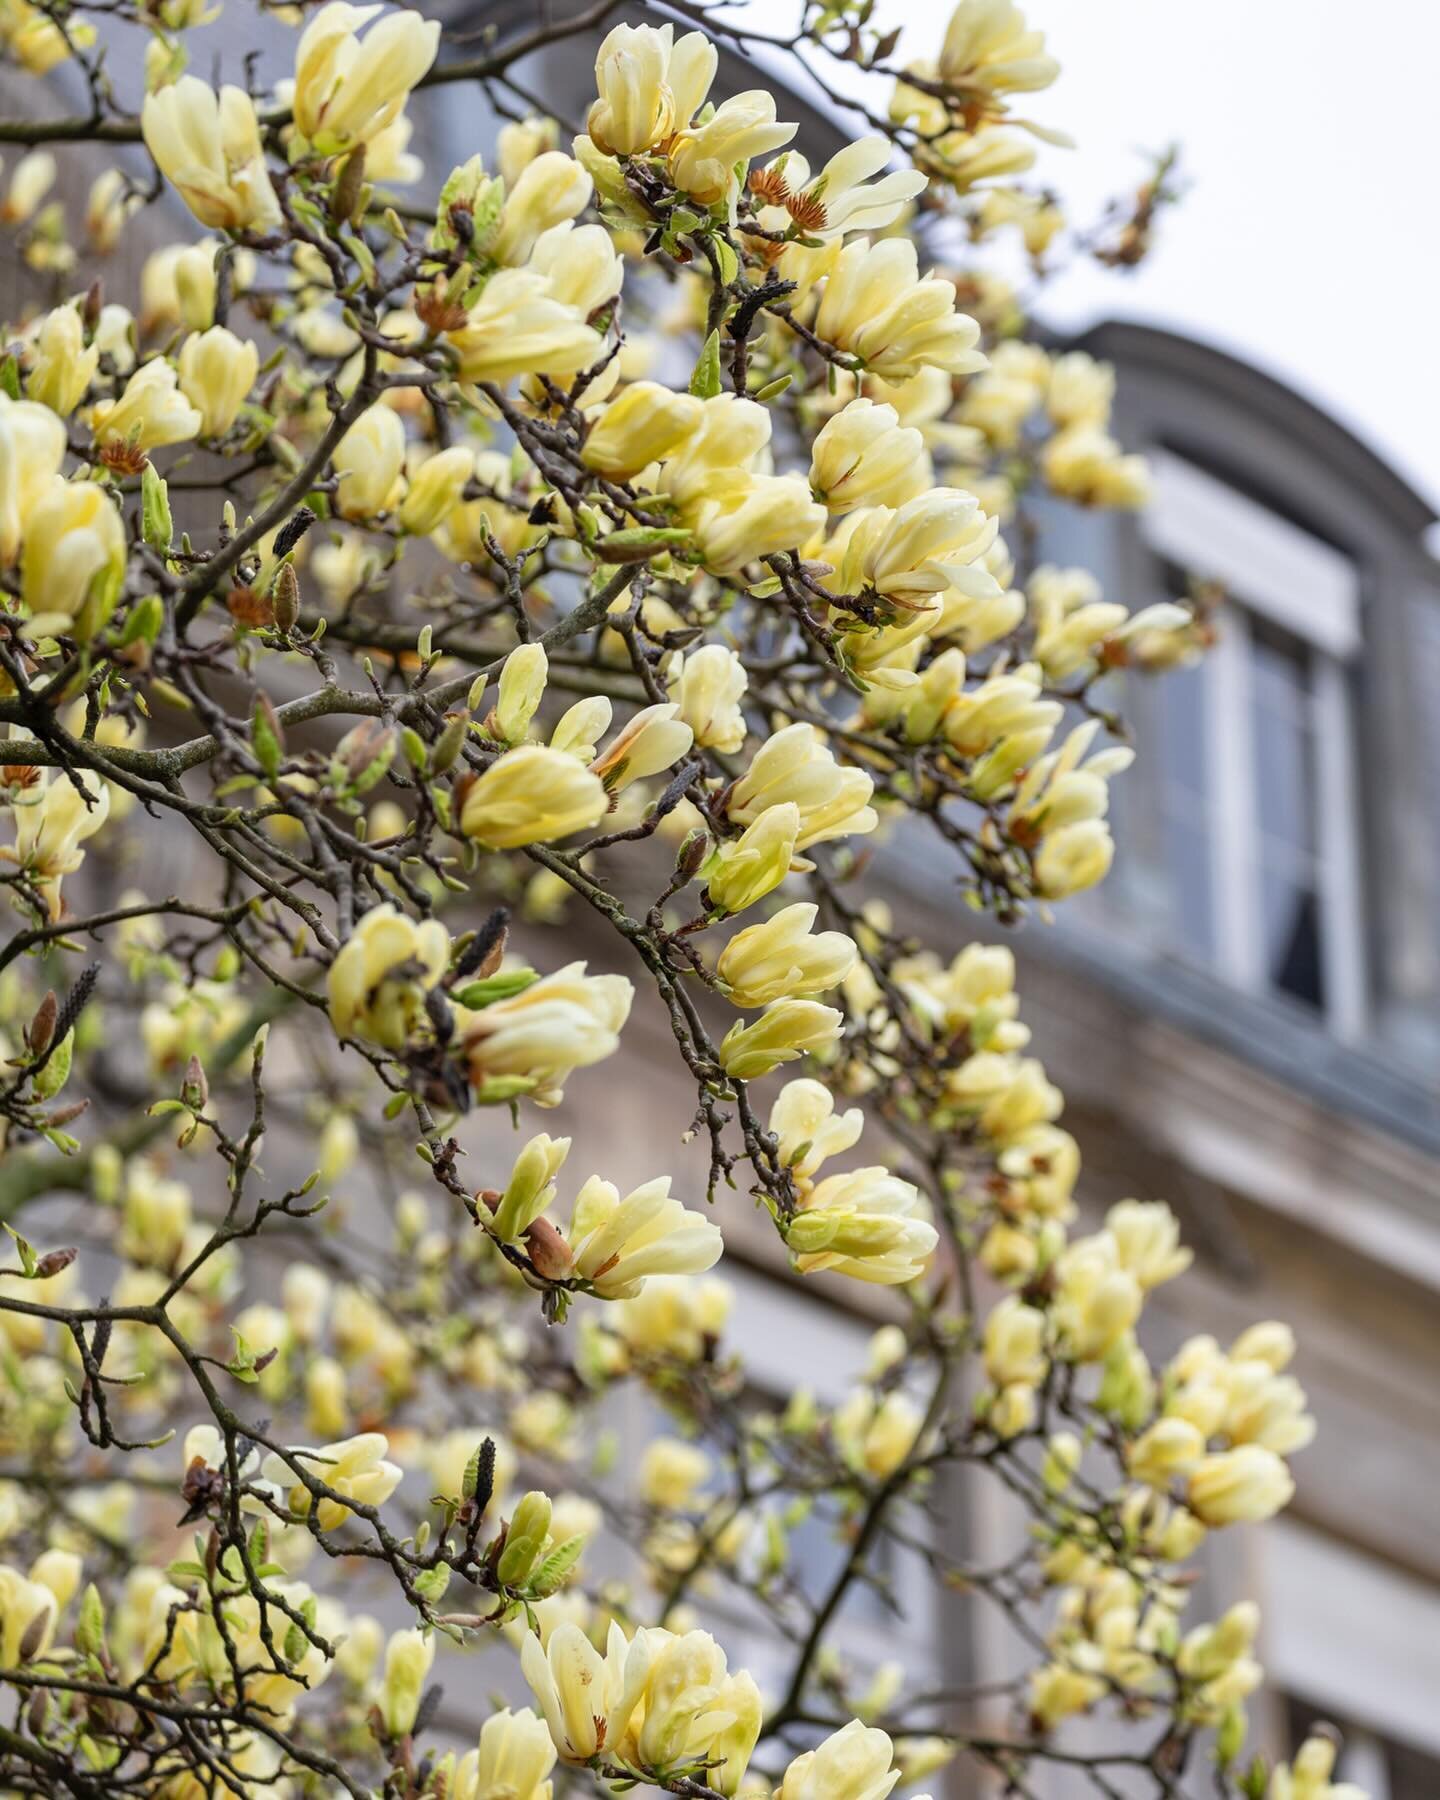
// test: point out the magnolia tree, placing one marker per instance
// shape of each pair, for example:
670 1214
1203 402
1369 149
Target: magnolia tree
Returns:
366 588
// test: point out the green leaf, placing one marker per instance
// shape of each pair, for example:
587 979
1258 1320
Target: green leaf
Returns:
56 1073
556 1566
28 1258
265 738
728 260
705 382
10 377
503 986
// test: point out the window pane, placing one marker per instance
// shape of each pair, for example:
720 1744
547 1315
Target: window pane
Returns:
1290 918
1280 679
1187 861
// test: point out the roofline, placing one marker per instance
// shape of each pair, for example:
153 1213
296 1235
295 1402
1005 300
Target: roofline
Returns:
1270 401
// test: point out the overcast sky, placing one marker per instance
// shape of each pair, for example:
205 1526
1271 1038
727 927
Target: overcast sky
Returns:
1309 242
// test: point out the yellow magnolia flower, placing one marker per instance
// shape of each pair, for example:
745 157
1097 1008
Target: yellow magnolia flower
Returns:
208 147
784 1032
32 448
617 1243
35 41
1084 463
586 1698
408 1657
532 794
653 740
522 687
152 411
378 981
72 565
1240 1486
355 1468
641 425
783 958
842 197
876 1432
649 86
808 1129
33 177
61 367
855 1763
673 1315
796 765
672 1473
863 456
369 460
217 371
765 514
1308 1776
564 1021
989 48
435 489
520 327
876 306
932 543
550 191
349 90
512 1762
709 685
746 869
704 159
868 1224
28 1610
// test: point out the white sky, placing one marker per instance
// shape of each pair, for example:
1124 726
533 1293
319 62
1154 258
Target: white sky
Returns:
1309 242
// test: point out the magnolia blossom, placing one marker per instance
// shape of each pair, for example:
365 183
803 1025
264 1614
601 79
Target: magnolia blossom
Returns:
877 307
73 561
869 1224
783 958
703 160
153 410
641 425
654 740
709 686
369 460
564 1021
809 1130
354 1469
616 1243
519 327
62 366
854 1763
208 146
795 765
787 1030
32 448
348 89
863 456
514 1757
532 794
381 974
649 86
217 371
745 869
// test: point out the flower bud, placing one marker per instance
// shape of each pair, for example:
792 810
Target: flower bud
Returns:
786 1031
408 1657
641 425
435 489
532 794
525 1539
217 371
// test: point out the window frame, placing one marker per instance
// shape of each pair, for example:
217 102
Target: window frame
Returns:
1264 561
